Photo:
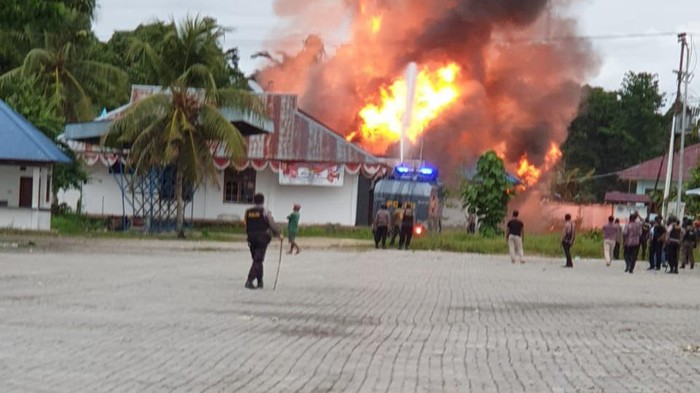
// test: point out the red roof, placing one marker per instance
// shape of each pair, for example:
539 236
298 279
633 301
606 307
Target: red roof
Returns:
299 137
648 170
620 197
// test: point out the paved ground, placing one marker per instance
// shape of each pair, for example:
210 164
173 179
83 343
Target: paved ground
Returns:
160 317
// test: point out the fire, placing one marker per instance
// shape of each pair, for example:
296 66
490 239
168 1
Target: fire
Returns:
436 91
553 156
376 22
529 174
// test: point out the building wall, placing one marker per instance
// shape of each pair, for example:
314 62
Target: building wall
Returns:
9 185
25 219
38 217
648 185
320 205
101 196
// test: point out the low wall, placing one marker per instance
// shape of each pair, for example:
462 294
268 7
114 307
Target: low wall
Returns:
25 219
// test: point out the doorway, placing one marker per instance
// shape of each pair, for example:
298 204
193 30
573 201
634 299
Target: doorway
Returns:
25 191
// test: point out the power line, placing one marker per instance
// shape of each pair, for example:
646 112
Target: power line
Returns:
524 40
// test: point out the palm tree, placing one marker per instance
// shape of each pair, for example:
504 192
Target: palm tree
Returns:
178 126
64 74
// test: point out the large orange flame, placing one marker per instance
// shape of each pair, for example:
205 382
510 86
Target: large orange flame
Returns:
435 91
530 174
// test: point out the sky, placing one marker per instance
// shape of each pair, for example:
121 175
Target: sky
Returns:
254 24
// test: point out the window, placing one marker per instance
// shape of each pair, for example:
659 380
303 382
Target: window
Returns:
239 186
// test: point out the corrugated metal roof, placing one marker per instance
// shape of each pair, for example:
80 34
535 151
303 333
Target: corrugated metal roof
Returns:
621 197
21 141
299 137
649 170
289 134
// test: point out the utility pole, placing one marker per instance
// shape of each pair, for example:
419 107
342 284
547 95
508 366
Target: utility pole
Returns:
672 142
686 81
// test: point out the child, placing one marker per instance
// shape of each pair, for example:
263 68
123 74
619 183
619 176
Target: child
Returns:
293 228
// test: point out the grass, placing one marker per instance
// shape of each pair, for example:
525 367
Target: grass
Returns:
588 244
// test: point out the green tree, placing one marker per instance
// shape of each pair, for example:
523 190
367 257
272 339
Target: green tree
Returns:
177 127
615 130
23 23
488 193
41 112
572 185
65 75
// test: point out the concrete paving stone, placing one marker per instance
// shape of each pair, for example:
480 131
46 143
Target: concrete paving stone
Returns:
127 316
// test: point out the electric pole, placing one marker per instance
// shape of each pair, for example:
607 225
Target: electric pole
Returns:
671 147
686 80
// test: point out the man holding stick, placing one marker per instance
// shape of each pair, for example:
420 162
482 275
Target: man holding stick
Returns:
258 224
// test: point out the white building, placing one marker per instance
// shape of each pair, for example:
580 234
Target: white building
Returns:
292 158
26 160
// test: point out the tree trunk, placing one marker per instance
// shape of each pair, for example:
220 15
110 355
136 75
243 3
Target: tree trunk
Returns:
179 209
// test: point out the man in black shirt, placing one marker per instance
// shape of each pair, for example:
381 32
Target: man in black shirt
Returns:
656 244
258 224
515 235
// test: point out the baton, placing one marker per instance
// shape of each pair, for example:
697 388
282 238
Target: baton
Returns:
279 264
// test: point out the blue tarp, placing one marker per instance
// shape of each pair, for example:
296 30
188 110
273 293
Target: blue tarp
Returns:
21 141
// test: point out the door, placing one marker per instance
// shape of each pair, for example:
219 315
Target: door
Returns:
25 191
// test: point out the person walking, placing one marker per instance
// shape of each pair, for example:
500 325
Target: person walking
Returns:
293 228
631 236
408 221
644 240
396 220
568 237
689 244
514 236
258 224
380 227
618 239
609 237
673 244
656 244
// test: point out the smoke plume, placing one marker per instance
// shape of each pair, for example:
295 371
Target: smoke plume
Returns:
520 69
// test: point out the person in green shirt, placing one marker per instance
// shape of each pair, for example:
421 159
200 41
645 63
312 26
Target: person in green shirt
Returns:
293 228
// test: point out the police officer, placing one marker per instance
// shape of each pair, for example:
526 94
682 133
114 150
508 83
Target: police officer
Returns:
396 220
380 227
407 223
258 224
673 244
689 242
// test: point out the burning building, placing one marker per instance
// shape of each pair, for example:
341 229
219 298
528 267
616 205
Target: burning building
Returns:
493 74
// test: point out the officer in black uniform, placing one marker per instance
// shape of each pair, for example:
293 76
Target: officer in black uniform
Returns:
408 221
689 243
258 224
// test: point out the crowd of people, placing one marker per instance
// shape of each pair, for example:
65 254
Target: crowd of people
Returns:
401 223
669 244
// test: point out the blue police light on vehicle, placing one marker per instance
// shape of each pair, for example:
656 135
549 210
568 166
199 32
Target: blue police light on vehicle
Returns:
422 174
428 173
425 171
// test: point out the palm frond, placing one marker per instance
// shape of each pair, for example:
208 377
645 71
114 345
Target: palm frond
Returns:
199 75
215 128
100 79
9 80
137 118
37 59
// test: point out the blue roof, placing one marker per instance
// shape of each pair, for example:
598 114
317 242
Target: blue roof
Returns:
21 141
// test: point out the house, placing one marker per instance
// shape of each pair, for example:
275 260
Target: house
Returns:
644 175
292 158
26 160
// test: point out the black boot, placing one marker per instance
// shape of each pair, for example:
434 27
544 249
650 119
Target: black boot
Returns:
249 285
260 283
